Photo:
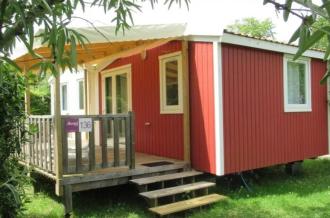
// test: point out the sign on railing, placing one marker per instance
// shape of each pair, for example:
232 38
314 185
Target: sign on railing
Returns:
78 125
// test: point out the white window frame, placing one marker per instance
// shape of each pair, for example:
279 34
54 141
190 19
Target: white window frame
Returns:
78 83
67 103
307 107
164 108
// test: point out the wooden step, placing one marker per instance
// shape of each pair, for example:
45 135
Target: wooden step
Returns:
176 190
167 177
186 205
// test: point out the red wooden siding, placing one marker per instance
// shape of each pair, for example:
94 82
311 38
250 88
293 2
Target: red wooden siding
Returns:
257 131
164 136
202 106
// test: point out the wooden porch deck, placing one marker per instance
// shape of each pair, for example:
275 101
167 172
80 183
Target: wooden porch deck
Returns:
94 159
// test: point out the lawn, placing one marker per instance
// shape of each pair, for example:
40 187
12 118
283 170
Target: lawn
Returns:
273 194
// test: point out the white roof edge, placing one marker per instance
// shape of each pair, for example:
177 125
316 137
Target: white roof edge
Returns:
267 45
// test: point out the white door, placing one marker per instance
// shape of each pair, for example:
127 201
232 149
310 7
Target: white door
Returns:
116 90
116 97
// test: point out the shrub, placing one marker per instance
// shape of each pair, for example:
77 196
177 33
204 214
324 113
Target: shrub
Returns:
12 134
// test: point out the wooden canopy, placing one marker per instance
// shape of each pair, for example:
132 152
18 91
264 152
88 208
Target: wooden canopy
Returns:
93 51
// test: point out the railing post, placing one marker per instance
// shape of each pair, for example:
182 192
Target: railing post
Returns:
91 144
132 139
104 142
116 161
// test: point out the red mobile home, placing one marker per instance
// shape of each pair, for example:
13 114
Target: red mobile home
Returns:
220 103
251 106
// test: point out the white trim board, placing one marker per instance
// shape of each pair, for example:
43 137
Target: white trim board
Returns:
267 45
218 108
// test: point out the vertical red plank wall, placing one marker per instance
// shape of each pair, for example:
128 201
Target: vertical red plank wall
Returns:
257 131
202 125
164 135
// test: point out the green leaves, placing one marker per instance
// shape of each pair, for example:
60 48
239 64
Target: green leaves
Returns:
307 41
10 62
254 27
286 12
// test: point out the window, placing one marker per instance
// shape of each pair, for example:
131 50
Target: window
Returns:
81 94
64 102
297 85
171 83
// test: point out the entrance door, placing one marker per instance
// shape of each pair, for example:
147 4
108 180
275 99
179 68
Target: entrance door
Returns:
117 93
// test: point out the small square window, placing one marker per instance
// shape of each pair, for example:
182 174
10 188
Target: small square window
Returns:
171 83
297 85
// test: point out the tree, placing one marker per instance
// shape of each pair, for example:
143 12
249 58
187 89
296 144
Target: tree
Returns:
254 27
309 33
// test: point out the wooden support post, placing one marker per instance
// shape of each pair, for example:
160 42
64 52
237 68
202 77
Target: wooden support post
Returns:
67 199
27 100
58 135
186 115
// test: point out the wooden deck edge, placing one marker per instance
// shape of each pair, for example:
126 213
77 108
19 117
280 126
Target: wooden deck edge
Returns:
83 178
38 170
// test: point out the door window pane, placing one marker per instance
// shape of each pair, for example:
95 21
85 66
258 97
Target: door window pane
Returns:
121 93
172 90
108 95
296 83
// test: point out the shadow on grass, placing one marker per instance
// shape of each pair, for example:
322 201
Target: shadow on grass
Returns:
119 201
314 178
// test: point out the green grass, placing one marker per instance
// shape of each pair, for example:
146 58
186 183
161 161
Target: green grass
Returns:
275 194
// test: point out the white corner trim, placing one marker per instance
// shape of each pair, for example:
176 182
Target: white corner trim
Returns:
218 108
297 107
267 45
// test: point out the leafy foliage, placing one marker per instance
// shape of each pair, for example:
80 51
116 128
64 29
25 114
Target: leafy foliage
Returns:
12 134
40 97
254 27
323 42
314 30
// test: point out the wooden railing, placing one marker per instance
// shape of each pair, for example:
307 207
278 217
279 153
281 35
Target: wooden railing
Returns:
39 150
105 141
93 142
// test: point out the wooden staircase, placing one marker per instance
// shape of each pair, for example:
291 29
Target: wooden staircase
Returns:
175 192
